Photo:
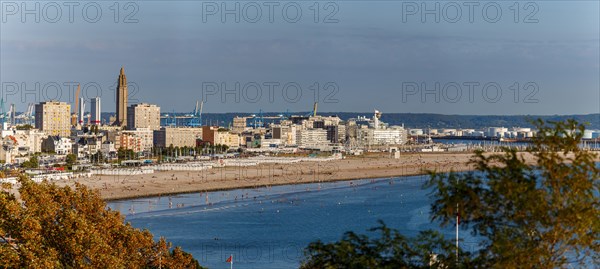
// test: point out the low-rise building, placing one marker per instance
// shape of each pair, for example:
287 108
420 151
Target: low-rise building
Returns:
178 137
87 146
29 141
58 145
215 135
108 149
228 139
383 136
138 140
9 149
416 131
270 143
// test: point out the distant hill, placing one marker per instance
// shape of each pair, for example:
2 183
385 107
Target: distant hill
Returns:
423 120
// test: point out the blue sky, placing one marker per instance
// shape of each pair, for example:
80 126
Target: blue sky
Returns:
369 55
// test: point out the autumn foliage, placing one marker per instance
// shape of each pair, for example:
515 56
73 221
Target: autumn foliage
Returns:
62 227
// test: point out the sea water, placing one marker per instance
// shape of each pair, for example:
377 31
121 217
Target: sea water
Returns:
269 227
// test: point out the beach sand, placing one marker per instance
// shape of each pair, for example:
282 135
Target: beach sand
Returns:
350 168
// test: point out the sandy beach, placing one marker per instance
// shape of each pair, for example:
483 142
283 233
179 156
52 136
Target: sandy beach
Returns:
114 187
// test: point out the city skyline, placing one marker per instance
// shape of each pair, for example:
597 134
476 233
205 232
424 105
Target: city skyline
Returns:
546 65
95 110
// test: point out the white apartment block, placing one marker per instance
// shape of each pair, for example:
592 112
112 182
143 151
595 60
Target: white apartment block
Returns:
29 141
381 137
312 138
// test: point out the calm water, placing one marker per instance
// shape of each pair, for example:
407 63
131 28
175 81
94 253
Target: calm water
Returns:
269 227
486 143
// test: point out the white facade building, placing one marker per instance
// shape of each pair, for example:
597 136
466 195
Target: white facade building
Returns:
28 141
58 145
312 138
381 137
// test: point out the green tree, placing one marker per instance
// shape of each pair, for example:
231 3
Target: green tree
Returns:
390 250
71 159
33 162
125 154
171 151
24 127
97 157
543 212
64 227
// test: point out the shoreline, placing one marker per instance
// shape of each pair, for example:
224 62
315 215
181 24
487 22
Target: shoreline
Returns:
258 186
370 166
161 183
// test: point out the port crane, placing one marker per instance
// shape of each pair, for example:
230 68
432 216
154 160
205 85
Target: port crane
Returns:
313 113
27 117
196 120
11 115
2 113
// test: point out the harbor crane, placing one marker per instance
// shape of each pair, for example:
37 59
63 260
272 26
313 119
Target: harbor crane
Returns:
314 111
11 114
173 122
196 120
2 113
28 116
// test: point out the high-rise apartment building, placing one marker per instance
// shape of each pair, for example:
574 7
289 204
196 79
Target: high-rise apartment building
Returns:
312 138
53 118
143 116
95 110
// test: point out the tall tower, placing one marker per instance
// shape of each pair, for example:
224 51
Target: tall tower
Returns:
95 110
376 118
81 110
13 115
121 110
